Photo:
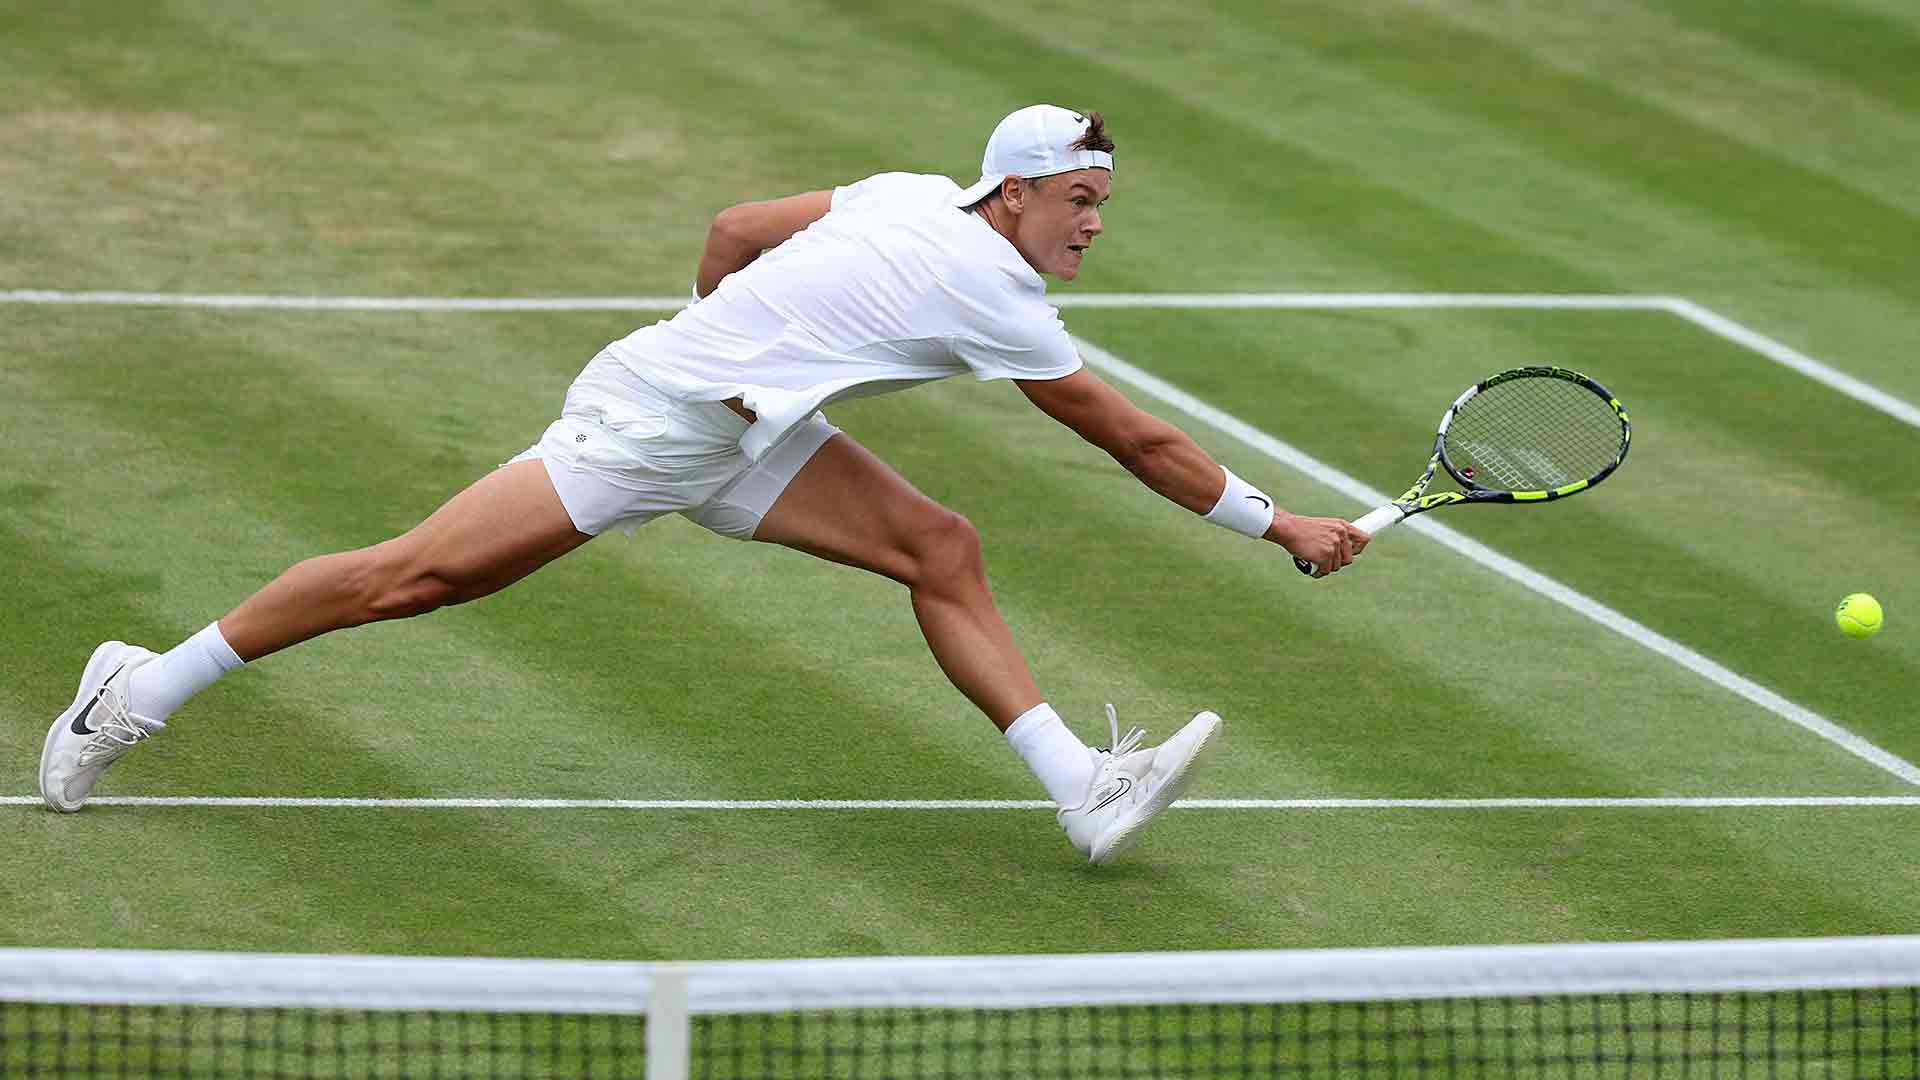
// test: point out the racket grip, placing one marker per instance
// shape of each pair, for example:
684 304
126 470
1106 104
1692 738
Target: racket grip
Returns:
1371 523
1379 518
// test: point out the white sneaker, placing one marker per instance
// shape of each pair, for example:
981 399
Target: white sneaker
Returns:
95 730
1131 785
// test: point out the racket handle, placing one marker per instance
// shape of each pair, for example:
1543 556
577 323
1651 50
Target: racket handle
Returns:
1371 523
1379 518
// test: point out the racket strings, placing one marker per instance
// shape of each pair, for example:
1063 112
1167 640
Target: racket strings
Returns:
1533 434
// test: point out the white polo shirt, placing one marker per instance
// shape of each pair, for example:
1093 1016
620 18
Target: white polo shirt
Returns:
894 287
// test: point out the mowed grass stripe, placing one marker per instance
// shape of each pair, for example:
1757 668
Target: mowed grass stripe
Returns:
690 884
367 149
1300 125
324 153
1894 11
1270 214
1772 78
1799 163
1857 236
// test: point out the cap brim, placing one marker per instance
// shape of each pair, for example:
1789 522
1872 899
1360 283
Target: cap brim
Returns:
982 188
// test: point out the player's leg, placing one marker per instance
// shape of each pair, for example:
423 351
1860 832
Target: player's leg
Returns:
503 527
846 505
500 529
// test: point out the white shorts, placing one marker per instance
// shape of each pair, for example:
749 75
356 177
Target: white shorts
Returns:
624 453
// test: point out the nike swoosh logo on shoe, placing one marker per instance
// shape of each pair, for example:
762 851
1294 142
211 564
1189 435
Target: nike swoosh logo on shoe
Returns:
1125 785
80 722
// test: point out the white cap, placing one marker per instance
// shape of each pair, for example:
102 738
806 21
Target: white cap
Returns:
1034 141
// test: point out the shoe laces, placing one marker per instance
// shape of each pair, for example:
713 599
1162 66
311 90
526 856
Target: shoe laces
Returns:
1122 746
120 725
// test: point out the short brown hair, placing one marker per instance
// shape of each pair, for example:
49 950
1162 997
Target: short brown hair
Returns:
1096 137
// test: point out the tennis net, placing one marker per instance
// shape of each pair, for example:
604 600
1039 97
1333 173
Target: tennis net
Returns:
1831 1007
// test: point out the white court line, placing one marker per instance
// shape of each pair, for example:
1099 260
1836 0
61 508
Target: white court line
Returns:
1656 803
1791 358
1292 457
1698 315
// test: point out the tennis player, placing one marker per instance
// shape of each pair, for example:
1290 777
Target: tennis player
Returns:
799 302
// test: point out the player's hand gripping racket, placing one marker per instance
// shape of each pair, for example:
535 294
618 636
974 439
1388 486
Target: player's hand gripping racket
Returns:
1528 435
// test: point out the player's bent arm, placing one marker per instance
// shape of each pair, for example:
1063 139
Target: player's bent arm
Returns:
1167 460
740 233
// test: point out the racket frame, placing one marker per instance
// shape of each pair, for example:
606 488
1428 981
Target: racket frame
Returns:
1417 500
1473 491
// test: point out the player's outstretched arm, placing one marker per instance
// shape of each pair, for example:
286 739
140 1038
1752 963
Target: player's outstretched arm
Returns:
1165 459
740 233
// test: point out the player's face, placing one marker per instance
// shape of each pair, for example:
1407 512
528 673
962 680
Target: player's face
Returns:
1059 219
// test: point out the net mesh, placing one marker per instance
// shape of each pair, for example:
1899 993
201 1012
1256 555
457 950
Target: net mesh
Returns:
1825 1034
1803 1034
1535 433
104 1040
1832 1008
196 1041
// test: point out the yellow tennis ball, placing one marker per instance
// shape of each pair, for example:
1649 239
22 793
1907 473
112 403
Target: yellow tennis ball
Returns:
1859 616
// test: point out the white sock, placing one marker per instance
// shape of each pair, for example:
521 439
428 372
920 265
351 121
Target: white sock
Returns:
163 684
1062 762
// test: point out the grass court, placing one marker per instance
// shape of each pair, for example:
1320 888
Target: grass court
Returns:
1755 160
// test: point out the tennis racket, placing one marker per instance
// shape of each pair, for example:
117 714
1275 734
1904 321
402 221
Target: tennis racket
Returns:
1533 434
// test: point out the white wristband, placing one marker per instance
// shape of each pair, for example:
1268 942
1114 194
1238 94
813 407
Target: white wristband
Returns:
1242 507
